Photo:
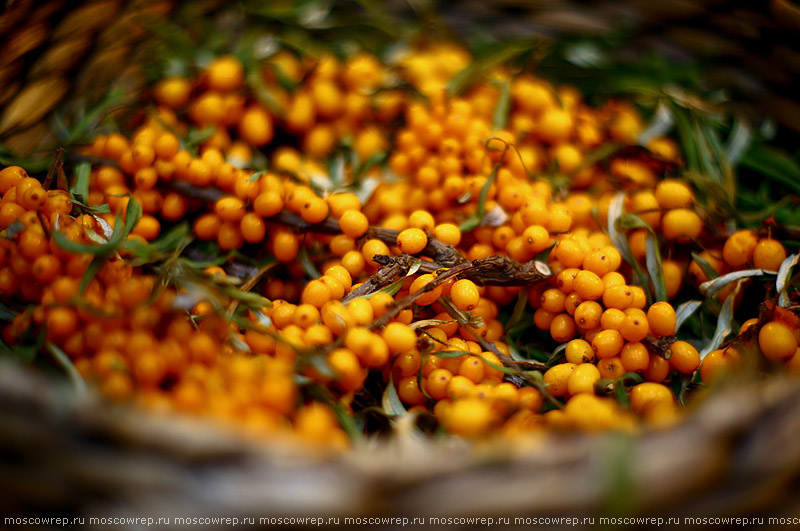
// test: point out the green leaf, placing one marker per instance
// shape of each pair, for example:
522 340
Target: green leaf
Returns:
654 267
783 277
774 165
308 265
480 67
80 187
6 313
724 324
501 110
65 363
706 267
475 220
390 401
711 288
519 309
684 311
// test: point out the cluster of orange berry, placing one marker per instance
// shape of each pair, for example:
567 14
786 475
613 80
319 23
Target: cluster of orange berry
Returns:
286 364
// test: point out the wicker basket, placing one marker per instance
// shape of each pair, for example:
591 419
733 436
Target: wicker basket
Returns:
735 455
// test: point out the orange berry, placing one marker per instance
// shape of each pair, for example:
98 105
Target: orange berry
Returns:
661 319
412 241
777 341
684 358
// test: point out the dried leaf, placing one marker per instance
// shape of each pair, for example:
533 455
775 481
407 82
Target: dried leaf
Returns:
654 267
783 278
724 324
710 288
684 311
390 401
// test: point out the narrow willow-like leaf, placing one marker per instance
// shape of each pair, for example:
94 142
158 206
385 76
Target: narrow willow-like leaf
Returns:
66 365
706 267
80 187
684 311
711 287
500 117
724 324
783 278
308 265
654 267
615 208
390 401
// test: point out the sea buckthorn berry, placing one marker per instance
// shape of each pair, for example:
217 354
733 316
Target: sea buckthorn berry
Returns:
562 328
715 363
553 300
431 296
536 238
579 351
61 322
10 176
635 328
285 246
648 393
569 253
657 370
256 126
530 399
565 280
436 383
777 341
230 208
399 337
371 248
619 297
253 228
353 223
314 209
316 293
673 277
268 204
672 193
225 73
598 263
472 367
447 233
350 373
588 315
557 378
607 343
610 368
739 248
412 241
588 285
582 379
468 417
681 224
542 319
634 357
684 358
769 254
465 294
422 219
571 303
661 319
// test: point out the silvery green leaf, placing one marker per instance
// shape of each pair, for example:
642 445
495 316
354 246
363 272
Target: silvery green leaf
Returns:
661 124
105 226
783 277
654 267
494 217
615 209
711 287
684 311
724 324
262 318
390 401
739 141
367 188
